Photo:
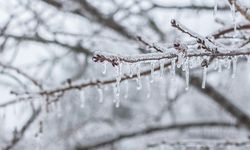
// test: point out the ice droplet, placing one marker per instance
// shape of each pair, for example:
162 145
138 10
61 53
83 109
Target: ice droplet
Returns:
215 8
187 73
204 78
100 92
138 80
152 71
234 59
117 104
104 68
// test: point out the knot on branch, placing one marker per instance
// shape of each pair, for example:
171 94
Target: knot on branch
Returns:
98 58
180 47
101 58
200 41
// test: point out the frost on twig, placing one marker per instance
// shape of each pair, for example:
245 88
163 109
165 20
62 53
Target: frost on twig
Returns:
117 59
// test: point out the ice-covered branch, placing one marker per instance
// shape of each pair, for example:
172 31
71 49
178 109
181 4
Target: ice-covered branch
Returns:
205 43
117 59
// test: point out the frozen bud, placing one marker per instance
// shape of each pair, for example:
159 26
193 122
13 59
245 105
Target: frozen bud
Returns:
200 41
204 63
173 22
180 47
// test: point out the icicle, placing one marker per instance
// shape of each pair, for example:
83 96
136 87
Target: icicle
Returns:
204 77
116 95
152 71
233 11
118 80
192 62
173 68
117 85
181 60
117 89
138 80
104 68
126 89
131 70
248 59
148 87
187 73
100 92
114 91
118 72
220 66
234 66
215 8
117 104
59 109
216 66
162 67
82 98
227 63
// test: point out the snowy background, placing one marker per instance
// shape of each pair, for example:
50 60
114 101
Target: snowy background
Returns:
53 43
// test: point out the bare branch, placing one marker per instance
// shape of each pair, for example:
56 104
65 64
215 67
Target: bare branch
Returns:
242 9
153 129
188 7
148 44
203 143
21 73
18 135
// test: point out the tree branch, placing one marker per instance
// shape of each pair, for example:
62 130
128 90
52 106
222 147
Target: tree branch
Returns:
18 135
153 129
